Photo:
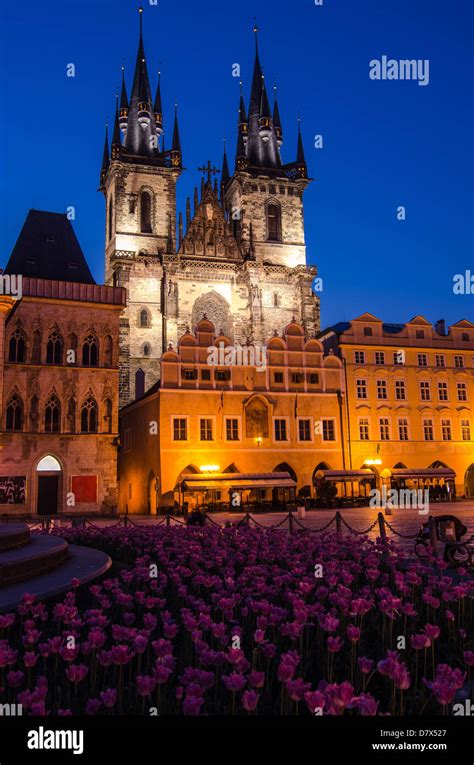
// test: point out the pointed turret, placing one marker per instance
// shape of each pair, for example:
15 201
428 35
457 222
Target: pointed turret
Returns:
188 213
116 137
225 175
105 159
301 165
277 121
141 129
176 157
124 108
265 122
158 109
243 121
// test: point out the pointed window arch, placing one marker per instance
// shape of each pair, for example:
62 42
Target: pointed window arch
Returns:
34 413
14 418
89 415
54 348
52 415
108 415
273 222
17 347
145 212
90 351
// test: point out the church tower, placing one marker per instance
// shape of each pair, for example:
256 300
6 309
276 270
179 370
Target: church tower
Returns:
138 180
264 200
238 257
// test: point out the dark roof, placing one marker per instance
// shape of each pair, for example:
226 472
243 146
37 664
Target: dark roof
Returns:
47 248
261 154
338 329
393 329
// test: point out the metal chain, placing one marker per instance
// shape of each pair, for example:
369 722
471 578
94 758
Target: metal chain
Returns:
398 533
359 533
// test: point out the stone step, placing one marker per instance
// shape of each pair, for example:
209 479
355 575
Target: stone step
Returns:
13 535
41 554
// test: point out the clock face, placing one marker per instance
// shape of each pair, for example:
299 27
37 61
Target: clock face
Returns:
209 211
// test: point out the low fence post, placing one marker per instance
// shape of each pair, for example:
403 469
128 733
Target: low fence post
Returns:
290 521
338 522
433 535
168 519
383 530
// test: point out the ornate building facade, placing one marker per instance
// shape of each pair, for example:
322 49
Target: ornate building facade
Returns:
239 257
58 377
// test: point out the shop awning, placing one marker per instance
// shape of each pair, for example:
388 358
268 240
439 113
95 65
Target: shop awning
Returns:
423 473
336 476
222 481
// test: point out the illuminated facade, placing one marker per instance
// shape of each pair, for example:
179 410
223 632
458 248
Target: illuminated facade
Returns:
410 393
285 417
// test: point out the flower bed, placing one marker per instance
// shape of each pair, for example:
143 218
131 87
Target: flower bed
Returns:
244 621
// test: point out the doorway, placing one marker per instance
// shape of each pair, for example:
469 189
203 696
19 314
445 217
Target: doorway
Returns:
48 483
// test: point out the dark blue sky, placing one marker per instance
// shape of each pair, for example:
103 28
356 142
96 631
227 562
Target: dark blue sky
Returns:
385 143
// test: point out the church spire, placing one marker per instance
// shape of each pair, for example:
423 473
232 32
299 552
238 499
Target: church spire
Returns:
277 120
158 109
262 148
225 176
116 140
123 105
141 128
176 157
105 158
243 122
301 166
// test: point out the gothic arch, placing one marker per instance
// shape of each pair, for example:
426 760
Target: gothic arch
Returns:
216 309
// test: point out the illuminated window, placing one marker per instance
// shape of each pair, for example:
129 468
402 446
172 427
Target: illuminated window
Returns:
428 430
361 388
364 434
329 430
205 428
232 429
446 430
462 391
443 391
180 429
465 430
403 429
384 429
425 390
400 390
382 391
281 430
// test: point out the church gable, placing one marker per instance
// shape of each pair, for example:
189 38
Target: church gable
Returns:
209 235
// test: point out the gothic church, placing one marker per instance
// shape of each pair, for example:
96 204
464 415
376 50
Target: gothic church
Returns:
240 257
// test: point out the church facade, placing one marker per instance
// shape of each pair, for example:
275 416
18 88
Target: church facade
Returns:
237 256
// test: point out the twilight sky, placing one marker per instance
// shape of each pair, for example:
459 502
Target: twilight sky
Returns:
386 143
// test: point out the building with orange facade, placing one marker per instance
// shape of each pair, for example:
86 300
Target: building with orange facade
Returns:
238 426
410 393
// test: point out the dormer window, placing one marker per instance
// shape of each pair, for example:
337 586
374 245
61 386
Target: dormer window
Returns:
368 332
420 334
465 337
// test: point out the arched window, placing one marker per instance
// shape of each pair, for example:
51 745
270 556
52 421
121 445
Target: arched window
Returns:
144 318
108 416
71 350
90 352
89 416
146 350
276 300
34 413
36 349
14 419
108 351
54 349
145 213
139 384
274 222
71 415
17 349
111 216
52 415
